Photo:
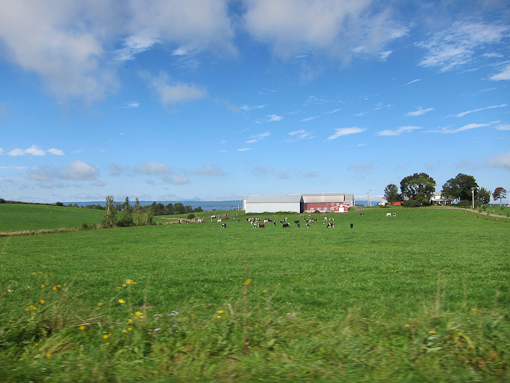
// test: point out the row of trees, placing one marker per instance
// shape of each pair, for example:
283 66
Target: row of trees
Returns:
420 187
139 215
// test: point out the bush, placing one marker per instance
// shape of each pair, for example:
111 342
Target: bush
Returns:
2 200
411 203
464 203
191 216
59 204
85 226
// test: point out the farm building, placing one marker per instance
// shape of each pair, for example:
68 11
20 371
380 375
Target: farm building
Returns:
328 202
273 203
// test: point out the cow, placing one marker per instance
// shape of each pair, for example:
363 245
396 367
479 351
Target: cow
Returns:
261 225
218 220
331 225
213 216
296 222
352 225
200 220
361 214
286 225
394 214
298 225
388 214
224 226
307 225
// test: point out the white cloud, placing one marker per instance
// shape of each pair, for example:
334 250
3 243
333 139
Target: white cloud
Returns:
310 118
153 168
500 161
448 130
412 82
311 174
503 127
397 132
207 170
299 135
258 137
479 110
384 55
345 131
35 151
419 112
76 170
503 75
362 166
274 117
243 149
137 43
335 28
131 105
16 152
250 141
247 108
179 92
458 44
99 183
178 180
56 152
1 151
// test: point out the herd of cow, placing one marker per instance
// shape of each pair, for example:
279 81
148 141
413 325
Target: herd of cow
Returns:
256 223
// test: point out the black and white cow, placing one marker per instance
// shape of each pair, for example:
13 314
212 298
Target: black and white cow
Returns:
224 226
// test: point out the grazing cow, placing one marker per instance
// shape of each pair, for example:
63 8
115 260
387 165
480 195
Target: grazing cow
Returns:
388 214
352 225
218 220
361 214
298 225
296 222
261 225
224 226
286 225
200 220
307 225
394 214
331 225
213 216
331 220
238 220
274 223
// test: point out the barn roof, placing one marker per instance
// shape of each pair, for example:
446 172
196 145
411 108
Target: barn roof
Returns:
323 197
285 198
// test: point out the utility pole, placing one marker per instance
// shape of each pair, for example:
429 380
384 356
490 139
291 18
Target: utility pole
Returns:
369 198
473 192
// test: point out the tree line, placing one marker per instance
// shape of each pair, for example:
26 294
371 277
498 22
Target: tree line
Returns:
157 208
418 189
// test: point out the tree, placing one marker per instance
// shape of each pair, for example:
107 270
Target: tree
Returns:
499 193
137 205
484 196
178 208
418 187
110 214
169 209
391 193
198 210
460 187
126 217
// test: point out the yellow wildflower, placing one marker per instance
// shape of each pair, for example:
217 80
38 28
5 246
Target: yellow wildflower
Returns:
221 311
265 291
138 314
130 320
218 317
122 301
248 281
432 332
129 328
105 336
99 304
41 301
54 288
82 327
42 286
124 285
48 355
36 344
407 325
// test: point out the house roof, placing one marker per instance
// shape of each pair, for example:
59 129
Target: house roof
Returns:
280 198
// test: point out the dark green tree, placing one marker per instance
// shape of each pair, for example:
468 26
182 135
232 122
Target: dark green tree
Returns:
169 209
460 187
178 208
418 187
198 210
484 196
391 193
126 217
188 209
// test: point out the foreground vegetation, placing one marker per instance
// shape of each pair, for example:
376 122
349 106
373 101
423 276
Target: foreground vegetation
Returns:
423 296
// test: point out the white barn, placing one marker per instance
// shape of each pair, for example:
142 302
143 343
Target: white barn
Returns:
273 203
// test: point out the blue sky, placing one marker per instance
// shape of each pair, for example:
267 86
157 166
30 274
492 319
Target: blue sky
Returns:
217 100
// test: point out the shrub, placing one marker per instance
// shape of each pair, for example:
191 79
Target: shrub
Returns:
411 203
465 203
85 226
59 204
2 200
191 216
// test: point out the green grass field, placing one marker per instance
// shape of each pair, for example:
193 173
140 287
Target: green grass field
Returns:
424 263
21 217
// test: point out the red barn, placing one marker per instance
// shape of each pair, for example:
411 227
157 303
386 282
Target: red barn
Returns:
328 202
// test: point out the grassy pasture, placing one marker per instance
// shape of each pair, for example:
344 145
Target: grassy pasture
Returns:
20 217
423 296
392 266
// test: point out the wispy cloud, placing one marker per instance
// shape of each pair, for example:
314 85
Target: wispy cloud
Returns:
345 132
35 151
397 132
136 44
299 135
258 137
479 110
56 152
76 170
247 108
501 161
178 92
418 112
503 75
207 170
311 174
448 130
503 127
310 118
131 105
362 166
243 149
457 45
412 82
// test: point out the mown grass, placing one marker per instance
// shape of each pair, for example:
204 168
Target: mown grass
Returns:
423 296
27 217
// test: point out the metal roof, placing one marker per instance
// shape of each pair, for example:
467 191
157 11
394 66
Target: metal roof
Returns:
323 197
285 198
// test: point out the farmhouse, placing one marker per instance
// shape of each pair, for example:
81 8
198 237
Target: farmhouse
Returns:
328 202
273 203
